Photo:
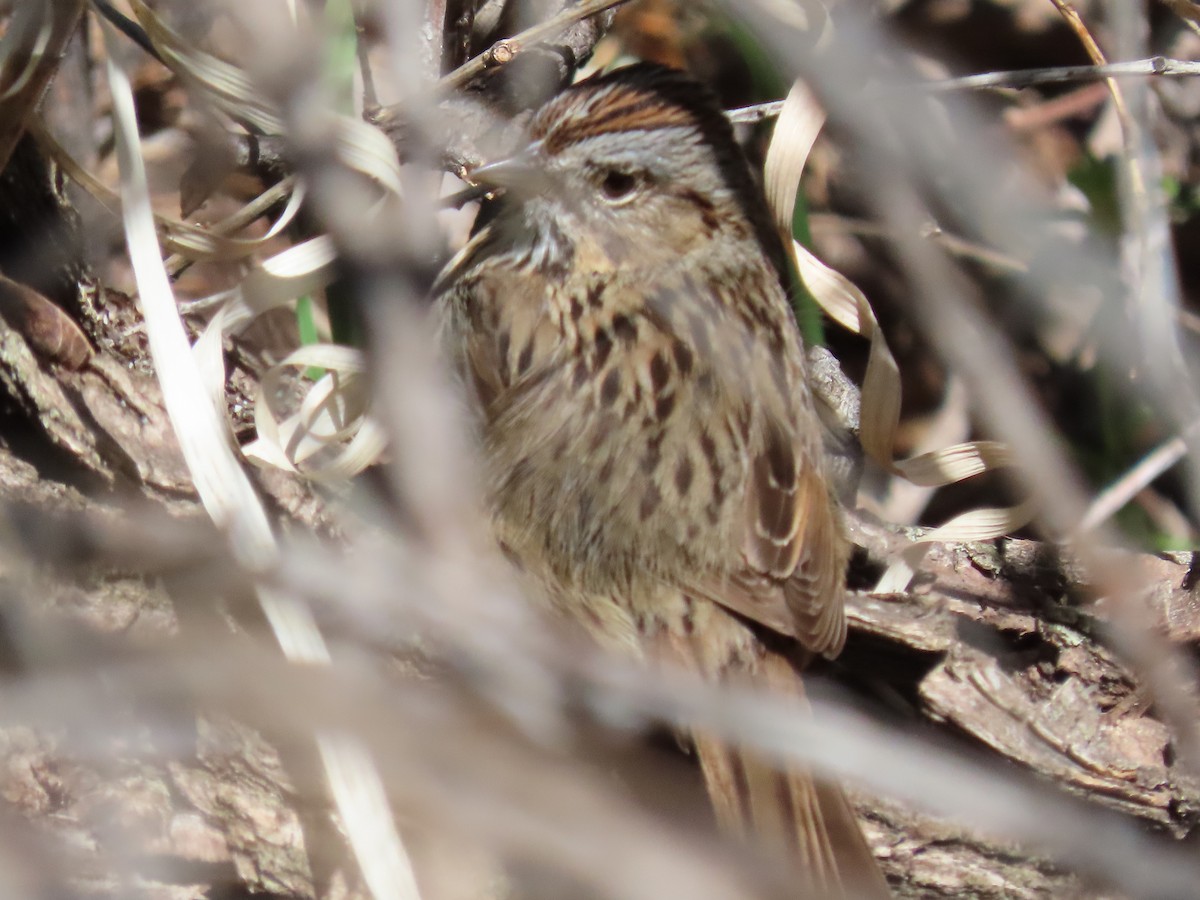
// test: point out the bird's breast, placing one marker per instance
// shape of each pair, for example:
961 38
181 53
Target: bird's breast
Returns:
614 453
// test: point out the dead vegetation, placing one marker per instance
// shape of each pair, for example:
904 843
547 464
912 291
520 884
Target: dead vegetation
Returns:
234 663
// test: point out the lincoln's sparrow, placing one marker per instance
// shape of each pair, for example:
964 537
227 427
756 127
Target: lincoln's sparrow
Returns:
651 448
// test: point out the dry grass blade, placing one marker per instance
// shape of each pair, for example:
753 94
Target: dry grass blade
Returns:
29 55
228 87
332 422
333 416
277 281
234 507
799 123
222 485
190 243
1075 21
361 146
285 190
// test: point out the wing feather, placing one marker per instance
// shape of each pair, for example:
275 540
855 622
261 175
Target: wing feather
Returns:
790 575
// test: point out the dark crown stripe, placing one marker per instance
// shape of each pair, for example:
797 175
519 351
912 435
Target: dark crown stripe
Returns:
620 111
645 116
646 113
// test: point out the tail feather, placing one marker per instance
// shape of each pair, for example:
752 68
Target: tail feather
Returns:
789 811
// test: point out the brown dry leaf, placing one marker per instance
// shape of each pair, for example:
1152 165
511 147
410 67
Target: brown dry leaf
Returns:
49 330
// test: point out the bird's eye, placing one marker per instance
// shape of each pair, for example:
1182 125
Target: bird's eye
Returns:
617 185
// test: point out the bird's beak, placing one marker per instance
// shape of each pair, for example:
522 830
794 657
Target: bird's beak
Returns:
522 172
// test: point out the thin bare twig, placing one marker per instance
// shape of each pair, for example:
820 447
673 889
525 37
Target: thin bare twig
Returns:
1152 66
504 51
1124 489
370 95
1019 78
951 243
434 46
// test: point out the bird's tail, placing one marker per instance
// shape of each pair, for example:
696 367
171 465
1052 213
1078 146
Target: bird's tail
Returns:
788 810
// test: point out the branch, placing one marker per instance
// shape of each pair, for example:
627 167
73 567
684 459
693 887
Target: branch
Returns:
505 51
1154 66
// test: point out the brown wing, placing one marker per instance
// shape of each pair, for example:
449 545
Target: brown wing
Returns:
793 544
793 553
789 569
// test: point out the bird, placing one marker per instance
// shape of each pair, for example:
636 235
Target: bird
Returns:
651 452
